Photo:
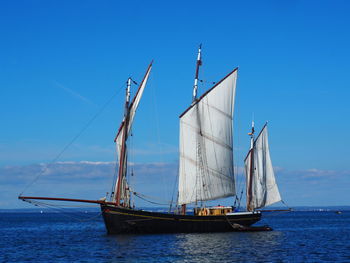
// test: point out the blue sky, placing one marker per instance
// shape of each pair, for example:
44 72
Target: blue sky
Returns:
60 61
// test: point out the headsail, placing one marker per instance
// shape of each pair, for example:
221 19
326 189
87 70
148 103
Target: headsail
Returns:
133 107
206 154
121 188
262 189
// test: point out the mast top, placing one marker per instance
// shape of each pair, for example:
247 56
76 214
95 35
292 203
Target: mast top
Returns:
128 85
207 92
252 132
199 63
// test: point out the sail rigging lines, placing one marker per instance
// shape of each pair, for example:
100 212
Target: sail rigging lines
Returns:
261 183
206 165
121 187
146 198
208 91
153 90
66 147
63 210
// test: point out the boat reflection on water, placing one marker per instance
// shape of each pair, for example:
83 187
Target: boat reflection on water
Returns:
224 247
197 247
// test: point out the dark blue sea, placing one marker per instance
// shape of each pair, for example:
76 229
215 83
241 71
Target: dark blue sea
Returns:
81 237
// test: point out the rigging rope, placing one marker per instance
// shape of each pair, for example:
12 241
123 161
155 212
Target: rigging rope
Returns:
285 204
205 81
61 210
165 185
72 140
237 159
174 189
143 197
114 177
133 81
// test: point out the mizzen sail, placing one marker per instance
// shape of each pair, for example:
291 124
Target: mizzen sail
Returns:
262 189
206 154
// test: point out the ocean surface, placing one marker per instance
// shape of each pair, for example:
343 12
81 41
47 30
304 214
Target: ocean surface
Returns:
81 237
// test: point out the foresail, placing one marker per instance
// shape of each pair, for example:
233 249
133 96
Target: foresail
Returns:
121 188
135 103
133 107
118 139
264 190
206 155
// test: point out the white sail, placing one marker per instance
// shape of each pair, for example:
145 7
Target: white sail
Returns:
133 107
119 138
206 156
264 190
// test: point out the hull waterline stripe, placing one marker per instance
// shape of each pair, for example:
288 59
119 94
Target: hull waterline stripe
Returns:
195 220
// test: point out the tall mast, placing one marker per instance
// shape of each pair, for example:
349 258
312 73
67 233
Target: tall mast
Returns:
122 153
199 63
251 172
194 98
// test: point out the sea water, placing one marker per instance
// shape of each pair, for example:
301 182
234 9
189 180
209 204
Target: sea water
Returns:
81 237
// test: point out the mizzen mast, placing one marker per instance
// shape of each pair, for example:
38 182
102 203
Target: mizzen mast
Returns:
194 97
262 188
251 171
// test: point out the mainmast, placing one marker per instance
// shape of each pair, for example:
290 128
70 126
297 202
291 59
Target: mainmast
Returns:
121 171
194 97
251 172
199 63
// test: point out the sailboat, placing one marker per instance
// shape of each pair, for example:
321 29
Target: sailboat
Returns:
206 170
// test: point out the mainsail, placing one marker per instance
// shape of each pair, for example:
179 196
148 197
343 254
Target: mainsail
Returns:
262 189
206 154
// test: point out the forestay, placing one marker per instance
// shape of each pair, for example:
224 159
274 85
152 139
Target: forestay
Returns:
206 154
264 190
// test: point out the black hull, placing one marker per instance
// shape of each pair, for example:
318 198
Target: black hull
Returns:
120 220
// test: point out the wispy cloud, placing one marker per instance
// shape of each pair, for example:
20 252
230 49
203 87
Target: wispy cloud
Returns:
316 173
74 93
84 179
313 173
87 179
155 149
